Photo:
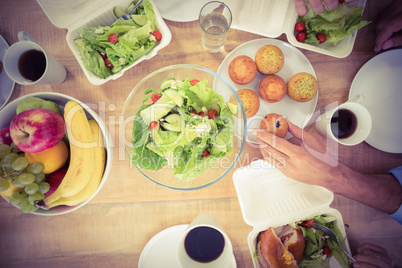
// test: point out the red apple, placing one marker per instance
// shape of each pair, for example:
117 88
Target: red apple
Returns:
54 179
36 130
5 137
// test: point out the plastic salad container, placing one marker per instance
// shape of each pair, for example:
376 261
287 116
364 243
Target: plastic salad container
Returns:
77 14
271 18
270 199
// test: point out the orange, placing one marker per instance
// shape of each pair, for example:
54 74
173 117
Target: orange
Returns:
53 158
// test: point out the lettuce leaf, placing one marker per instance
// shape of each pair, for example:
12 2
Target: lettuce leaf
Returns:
335 24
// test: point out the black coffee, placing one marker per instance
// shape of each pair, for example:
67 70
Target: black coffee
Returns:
32 64
204 244
343 123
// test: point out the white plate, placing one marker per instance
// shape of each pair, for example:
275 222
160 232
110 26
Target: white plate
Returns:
180 10
379 81
6 84
295 62
160 251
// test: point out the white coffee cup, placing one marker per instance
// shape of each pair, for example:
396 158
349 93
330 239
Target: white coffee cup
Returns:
356 112
209 233
54 72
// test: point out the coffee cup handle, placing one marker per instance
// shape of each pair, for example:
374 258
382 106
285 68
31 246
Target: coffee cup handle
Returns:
24 36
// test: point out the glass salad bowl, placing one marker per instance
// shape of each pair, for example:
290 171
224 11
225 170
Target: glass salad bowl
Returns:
177 127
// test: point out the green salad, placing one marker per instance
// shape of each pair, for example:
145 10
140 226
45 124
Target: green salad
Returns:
335 24
319 247
183 124
106 50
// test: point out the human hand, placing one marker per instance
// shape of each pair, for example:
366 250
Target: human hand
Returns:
370 256
316 5
389 26
297 161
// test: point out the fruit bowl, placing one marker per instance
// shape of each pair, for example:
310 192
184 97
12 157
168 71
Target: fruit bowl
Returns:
165 175
9 112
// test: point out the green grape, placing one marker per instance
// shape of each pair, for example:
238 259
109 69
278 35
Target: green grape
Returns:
35 168
31 188
26 178
39 177
14 148
20 163
7 160
4 150
15 180
4 185
26 207
34 197
44 187
17 197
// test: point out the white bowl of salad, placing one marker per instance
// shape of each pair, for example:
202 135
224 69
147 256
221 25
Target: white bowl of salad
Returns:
178 127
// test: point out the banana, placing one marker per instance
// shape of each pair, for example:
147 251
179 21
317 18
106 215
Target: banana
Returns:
82 154
97 174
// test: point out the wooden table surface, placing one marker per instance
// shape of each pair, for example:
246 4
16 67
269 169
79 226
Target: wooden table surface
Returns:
114 227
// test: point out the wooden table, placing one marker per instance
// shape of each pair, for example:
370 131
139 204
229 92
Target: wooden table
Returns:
114 227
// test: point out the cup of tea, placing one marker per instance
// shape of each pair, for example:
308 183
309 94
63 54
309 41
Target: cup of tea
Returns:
204 244
215 19
349 123
27 63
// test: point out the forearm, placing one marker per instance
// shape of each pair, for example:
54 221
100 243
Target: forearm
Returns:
382 191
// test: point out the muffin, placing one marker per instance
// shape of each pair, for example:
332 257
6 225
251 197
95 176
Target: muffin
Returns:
272 88
242 70
275 124
302 87
269 59
250 101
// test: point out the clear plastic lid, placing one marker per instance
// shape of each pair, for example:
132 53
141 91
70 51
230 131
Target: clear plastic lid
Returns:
268 198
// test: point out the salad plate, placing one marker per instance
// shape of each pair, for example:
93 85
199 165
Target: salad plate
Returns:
160 251
382 72
180 11
6 84
299 113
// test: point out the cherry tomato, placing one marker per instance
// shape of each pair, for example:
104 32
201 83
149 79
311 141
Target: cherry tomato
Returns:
108 63
113 38
300 26
104 56
201 114
342 1
193 112
326 250
205 153
153 124
308 223
321 37
194 82
157 35
212 114
155 97
301 36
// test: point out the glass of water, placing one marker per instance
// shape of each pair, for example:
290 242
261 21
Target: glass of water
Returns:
215 20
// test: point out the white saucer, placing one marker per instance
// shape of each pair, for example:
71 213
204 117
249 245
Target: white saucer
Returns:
6 84
160 251
179 10
379 81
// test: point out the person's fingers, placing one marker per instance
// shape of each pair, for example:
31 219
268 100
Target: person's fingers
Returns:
279 144
374 254
301 7
273 157
295 130
271 151
394 41
393 10
367 261
383 40
331 4
317 6
369 246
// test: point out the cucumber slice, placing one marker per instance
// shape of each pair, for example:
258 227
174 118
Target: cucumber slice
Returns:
141 20
234 109
131 6
116 69
118 12
167 83
173 122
